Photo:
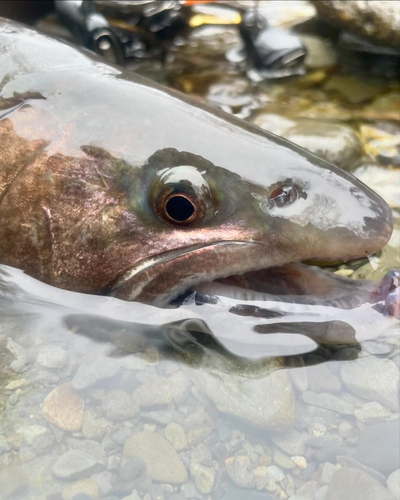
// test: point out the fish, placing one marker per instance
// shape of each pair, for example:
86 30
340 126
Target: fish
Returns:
113 184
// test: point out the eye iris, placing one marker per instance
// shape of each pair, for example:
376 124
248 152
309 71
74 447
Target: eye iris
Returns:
179 208
284 196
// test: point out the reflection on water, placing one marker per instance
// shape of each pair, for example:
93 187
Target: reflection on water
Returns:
124 400
103 398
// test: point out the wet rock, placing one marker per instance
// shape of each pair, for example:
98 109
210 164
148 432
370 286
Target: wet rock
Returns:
325 441
338 144
16 384
119 405
121 435
180 386
393 483
162 462
346 461
373 379
320 53
354 90
42 444
204 477
328 401
266 402
239 469
52 356
372 412
93 428
105 480
327 471
292 442
198 434
357 485
93 371
88 487
13 481
75 464
63 408
273 123
375 446
131 468
154 391
282 459
321 379
89 447
31 432
175 434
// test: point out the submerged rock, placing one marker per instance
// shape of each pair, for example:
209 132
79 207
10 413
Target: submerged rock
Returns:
266 402
63 408
162 461
373 379
357 485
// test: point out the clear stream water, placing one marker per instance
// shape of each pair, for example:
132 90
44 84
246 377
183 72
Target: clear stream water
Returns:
103 398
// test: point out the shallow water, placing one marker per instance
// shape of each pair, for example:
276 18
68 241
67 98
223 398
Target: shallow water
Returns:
103 397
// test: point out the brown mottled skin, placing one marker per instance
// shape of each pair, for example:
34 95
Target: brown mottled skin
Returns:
86 152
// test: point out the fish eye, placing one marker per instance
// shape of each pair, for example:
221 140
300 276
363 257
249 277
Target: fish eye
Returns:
284 195
179 208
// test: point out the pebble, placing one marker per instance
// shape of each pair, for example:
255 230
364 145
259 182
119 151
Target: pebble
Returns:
320 53
89 373
16 384
346 461
93 428
105 480
119 405
31 432
273 123
292 442
75 464
321 379
375 446
201 454
175 434
357 485
83 486
282 459
162 461
316 430
43 443
180 386
197 435
239 470
13 481
121 435
52 356
327 471
154 391
393 483
63 408
336 143
204 477
301 462
373 379
372 412
328 401
266 402
131 468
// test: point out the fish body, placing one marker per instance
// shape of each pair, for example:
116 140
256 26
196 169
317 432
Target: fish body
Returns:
110 183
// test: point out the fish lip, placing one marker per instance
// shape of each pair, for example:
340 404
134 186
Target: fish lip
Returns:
170 255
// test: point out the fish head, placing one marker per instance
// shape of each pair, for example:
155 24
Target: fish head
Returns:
204 221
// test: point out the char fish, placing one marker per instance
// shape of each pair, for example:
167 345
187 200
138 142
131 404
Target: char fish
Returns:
110 183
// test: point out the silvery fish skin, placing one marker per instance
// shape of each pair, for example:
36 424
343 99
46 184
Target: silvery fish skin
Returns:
91 156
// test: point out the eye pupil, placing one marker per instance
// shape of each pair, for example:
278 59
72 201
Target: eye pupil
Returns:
179 208
284 195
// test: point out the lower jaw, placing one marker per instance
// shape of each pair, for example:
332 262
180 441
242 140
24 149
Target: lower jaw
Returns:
307 285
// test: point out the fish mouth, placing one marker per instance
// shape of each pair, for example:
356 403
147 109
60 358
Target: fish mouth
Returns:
150 280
